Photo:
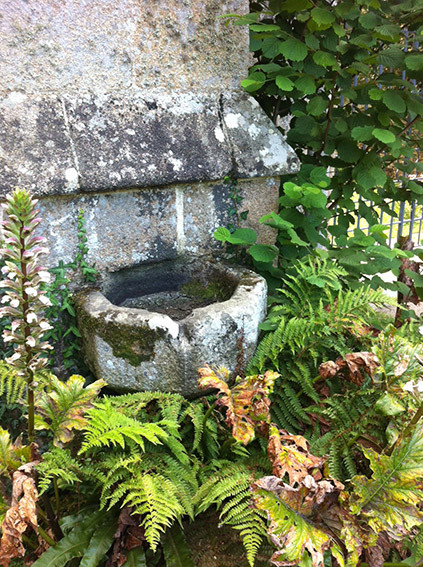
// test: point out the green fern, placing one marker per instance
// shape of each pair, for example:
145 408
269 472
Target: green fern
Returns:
12 386
107 427
58 464
226 485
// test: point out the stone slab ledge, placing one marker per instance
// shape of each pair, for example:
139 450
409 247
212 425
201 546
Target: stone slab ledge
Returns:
55 145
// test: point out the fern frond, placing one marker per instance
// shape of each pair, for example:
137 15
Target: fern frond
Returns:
227 486
106 426
58 464
12 386
155 498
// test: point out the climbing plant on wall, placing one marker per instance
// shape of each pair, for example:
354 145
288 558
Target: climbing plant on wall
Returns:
342 80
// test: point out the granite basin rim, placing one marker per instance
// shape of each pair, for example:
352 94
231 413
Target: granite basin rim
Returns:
135 349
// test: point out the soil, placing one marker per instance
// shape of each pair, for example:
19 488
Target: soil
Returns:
175 304
214 546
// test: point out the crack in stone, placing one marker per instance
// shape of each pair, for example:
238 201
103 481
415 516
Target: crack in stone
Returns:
72 147
233 173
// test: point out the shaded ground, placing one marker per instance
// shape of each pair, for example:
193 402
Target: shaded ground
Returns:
212 546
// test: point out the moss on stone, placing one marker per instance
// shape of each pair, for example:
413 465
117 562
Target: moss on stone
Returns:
132 343
216 290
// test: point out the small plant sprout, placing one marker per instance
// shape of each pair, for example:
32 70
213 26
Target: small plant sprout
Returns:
24 300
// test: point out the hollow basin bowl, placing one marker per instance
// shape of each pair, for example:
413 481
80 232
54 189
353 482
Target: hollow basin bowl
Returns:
151 327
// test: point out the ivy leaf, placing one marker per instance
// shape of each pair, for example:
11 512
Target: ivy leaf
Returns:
394 101
284 83
384 136
293 49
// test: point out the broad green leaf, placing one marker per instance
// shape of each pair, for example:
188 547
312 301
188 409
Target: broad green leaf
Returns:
314 197
295 5
243 236
135 558
390 497
222 234
348 151
175 548
264 27
263 252
254 82
369 21
362 133
391 57
284 83
388 405
323 18
312 42
73 545
376 94
100 542
306 84
293 49
384 136
414 62
317 106
271 46
272 219
324 59
394 101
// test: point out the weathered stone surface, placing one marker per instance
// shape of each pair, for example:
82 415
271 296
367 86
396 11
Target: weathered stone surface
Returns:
92 143
35 148
206 206
123 228
127 228
135 349
109 45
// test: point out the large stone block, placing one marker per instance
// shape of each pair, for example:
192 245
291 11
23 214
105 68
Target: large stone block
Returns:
105 46
89 143
123 229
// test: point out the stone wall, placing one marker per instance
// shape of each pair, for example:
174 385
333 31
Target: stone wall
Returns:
131 110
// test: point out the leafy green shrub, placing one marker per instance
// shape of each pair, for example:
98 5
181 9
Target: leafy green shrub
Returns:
342 80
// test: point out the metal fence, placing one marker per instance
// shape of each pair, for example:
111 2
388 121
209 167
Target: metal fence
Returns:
407 217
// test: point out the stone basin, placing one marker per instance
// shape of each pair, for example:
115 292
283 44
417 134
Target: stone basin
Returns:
151 327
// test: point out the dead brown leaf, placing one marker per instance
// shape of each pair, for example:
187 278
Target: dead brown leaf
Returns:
129 535
247 403
290 455
21 515
352 367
